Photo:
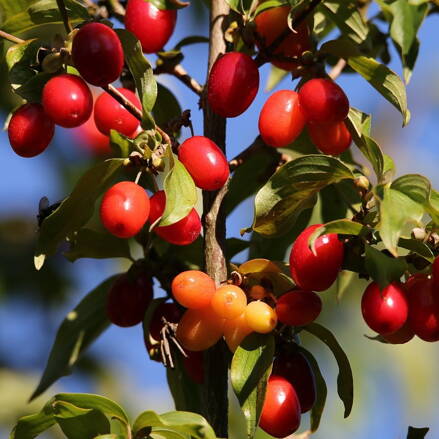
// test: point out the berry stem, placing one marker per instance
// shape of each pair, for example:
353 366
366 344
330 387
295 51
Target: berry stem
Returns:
11 38
64 15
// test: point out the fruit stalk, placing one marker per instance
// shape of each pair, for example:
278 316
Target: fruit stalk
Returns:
214 223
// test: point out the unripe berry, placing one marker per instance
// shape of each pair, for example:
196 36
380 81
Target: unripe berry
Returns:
233 84
205 161
30 130
384 311
330 138
280 414
101 62
235 330
229 301
316 272
67 100
298 307
281 119
182 232
323 101
110 115
260 317
193 289
152 27
124 209
128 299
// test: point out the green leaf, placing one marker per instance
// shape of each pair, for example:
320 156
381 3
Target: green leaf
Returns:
166 106
31 426
348 18
345 383
110 436
418 247
241 6
384 269
79 329
275 76
19 16
292 189
268 4
89 243
188 41
121 145
76 209
141 70
235 246
384 80
181 194
169 4
417 433
250 369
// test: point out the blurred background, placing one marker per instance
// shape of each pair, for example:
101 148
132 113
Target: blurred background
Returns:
395 386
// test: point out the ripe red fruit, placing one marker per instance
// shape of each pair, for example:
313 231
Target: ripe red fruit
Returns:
316 272
30 130
435 271
323 101
205 161
152 26
423 299
280 414
110 115
182 232
233 84
330 138
67 100
124 209
270 24
193 364
99 63
298 307
295 368
385 311
281 119
128 299
170 311
402 335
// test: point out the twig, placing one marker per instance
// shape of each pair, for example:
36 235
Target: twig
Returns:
10 37
337 69
180 73
64 15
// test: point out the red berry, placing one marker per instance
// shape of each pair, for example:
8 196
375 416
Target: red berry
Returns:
182 232
125 209
153 27
280 414
330 138
316 272
295 368
128 299
110 115
97 54
193 364
298 307
30 130
385 311
323 101
67 100
170 311
205 161
233 84
435 271
281 119
402 335
270 24
423 300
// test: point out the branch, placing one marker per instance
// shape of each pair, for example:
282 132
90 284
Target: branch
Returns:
337 69
11 38
64 15
180 73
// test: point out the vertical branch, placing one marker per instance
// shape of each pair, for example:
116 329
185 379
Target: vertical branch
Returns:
64 15
214 223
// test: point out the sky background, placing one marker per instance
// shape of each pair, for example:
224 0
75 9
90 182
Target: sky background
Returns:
396 386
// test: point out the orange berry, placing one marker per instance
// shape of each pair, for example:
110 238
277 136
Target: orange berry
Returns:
260 317
229 301
235 330
199 329
193 289
257 292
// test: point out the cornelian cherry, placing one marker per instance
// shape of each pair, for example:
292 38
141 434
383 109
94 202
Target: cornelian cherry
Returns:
316 272
331 138
128 299
124 209
385 311
235 330
182 232
169 311
67 100
402 335
281 119
193 289
233 84
260 317
229 301
280 414
30 130
272 23
110 115
295 368
153 27
205 161
97 54
298 307
435 271
323 101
